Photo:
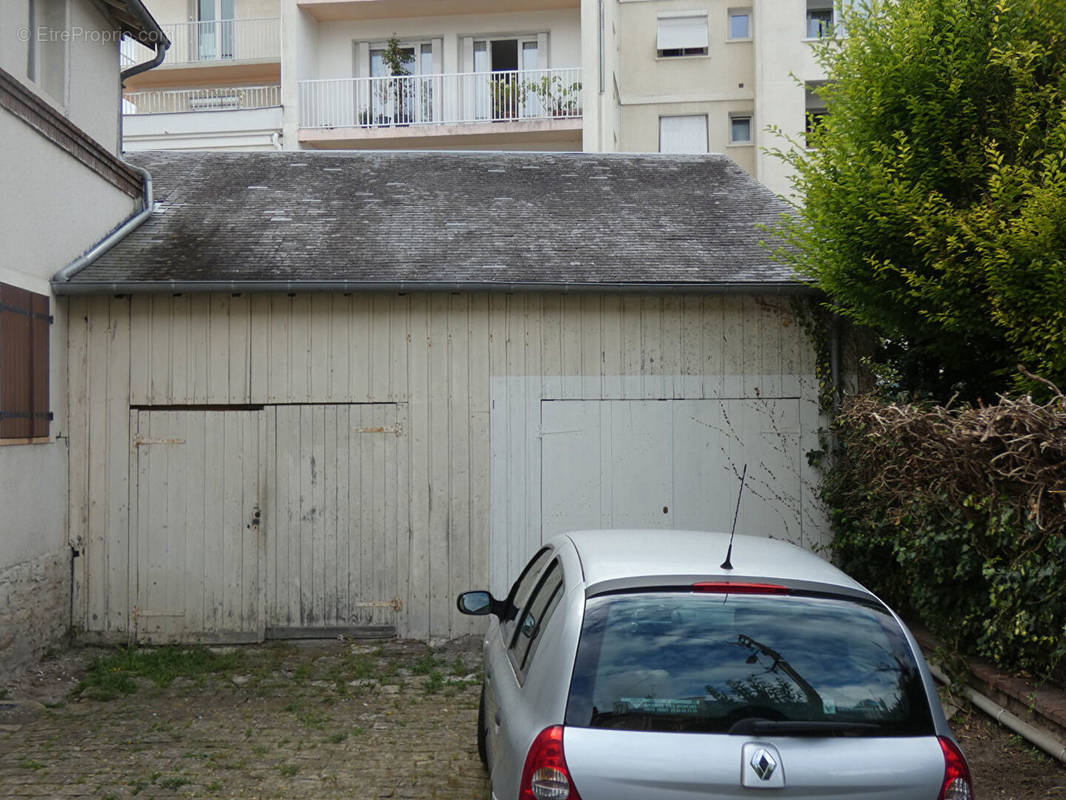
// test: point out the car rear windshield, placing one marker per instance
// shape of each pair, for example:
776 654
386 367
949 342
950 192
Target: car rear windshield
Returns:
683 661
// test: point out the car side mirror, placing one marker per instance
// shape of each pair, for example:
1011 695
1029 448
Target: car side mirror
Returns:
478 604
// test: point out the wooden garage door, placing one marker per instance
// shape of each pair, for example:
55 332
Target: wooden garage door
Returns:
194 569
337 519
671 464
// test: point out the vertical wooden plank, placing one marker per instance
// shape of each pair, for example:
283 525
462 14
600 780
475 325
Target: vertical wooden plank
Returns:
300 357
233 503
240 346
331 431
458 451
140 425
262 346
478 490
611 344
359 363
78 421
736 353
339 344
670 349
116 447
517 438
771 314
215 566
632 352
160 355
360 481
712 344
380 361
438 394
398 348
304 508
532 370
418 411
279 363
691 361
591 346
197 354
317 511
140 348
196 452
499 440
249 537
571 347
369 501
265 568
551 346
219 353
179 349
321 346
651 347
402 532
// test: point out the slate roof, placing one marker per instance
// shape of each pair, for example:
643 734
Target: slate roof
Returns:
283 221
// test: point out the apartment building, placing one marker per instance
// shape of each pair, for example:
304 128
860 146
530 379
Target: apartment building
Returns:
681 76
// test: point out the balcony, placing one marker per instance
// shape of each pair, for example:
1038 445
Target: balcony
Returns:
336 10
242 49
216 98
541 105
245 117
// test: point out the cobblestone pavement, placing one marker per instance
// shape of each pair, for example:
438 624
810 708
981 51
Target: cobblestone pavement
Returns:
323 720
339 720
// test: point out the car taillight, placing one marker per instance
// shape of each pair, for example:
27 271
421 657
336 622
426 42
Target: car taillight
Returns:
546 776
957 784
726 587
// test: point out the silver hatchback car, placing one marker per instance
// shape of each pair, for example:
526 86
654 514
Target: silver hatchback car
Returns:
636 664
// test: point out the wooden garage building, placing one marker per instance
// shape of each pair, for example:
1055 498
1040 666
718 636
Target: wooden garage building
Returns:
322 393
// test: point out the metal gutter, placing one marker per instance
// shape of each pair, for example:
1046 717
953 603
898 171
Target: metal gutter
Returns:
158 38
61 283
61 278
1049 744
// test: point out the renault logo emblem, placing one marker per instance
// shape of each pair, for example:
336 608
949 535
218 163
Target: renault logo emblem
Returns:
763 763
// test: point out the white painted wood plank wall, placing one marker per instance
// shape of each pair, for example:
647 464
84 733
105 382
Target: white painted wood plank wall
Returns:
437 354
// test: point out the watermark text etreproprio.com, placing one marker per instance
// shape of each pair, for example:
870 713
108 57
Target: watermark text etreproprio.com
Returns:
79 34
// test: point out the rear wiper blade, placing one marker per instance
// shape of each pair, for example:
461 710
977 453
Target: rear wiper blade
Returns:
756 726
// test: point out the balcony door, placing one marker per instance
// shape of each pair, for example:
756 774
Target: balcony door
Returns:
401 99
215 32
504 68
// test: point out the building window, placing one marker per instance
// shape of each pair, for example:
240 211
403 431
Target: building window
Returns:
820 19
815 110
687 134
740 129
24 324
683 34
740 23
46 57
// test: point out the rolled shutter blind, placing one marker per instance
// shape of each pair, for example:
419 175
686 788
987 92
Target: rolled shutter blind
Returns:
682 33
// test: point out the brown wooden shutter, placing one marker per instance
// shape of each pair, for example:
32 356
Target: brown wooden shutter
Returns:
24 333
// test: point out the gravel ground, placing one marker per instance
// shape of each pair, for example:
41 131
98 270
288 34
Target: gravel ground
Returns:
324 720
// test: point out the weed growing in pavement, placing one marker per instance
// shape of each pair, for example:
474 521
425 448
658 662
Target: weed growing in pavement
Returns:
174 782
288 770
434 683
459 668
425 665
29 763
337 738
214 787
113 675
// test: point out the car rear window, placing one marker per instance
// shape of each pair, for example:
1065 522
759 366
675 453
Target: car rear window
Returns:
682 661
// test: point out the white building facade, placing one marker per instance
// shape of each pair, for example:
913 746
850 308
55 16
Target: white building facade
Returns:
64 190
593 75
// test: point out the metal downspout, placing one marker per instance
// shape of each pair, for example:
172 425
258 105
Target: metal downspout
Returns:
1049 744
81 262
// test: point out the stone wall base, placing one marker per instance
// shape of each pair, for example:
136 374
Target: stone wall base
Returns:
34 610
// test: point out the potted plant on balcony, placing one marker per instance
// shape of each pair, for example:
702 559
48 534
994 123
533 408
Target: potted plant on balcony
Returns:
557 98
508 95
396 59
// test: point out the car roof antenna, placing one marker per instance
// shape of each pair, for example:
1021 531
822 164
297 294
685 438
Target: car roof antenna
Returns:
727 564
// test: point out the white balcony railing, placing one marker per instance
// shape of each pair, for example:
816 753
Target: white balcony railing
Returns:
462 97
213 41
176 101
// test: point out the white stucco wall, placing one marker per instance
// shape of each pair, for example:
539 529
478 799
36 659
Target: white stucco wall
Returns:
243 129
91 82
